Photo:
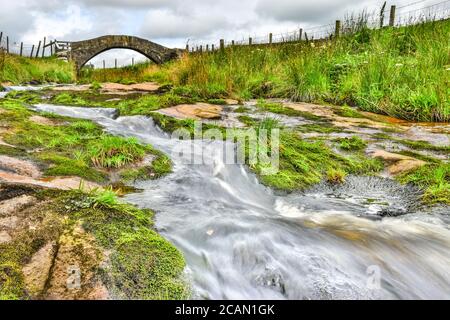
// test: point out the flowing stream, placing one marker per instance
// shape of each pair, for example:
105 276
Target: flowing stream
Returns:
241 240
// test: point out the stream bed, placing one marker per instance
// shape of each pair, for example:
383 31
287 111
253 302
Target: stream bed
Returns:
242 240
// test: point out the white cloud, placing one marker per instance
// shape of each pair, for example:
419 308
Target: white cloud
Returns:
165 23
69 21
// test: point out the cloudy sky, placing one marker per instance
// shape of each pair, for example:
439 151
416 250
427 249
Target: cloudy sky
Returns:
173 23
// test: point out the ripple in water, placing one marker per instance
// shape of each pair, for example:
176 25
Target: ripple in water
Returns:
242 241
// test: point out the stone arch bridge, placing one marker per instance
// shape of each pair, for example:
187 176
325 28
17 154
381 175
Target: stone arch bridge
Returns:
80 52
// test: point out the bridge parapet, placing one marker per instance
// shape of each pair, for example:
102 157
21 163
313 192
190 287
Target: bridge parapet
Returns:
82 51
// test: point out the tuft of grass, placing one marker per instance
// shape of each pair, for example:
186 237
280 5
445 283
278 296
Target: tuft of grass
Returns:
115 152
336 176
346 111
68 99
434 179
354 143
96 86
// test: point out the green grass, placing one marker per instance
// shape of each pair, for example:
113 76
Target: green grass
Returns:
278 108
414 144
401 72
70 147
115 152
434 179
348 112
20 70
141 264
124 75
68 99
353 143
160 166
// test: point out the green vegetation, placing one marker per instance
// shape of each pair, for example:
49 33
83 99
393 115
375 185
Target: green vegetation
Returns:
434 179
401 72
115 152
143 265
140 72
134 105
160 166
346 111
20 70
354 143
299 161
68 99
278 108
70 147
414 144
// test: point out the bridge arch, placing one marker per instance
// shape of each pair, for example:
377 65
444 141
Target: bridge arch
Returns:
82 51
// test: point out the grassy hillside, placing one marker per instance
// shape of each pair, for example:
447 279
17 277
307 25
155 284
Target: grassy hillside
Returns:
140 72
19 70
399 72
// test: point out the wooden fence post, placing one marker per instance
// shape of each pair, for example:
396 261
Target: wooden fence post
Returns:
232 42
212 47
32 51
21 48
115 63
392 16
337 30
43 47
187 48
38 48
382 15
207 47
270 38
7 44
250 41
1 37
132 61
300 34
104 64
201 48
222 44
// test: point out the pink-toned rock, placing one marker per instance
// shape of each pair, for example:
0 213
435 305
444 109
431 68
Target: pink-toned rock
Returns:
43 120
74 273
4 237
194 111
37 271
398 163
62 183
21 167
231 102
10 206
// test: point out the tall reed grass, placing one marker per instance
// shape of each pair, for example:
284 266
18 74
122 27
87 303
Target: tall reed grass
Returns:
402 72
19 70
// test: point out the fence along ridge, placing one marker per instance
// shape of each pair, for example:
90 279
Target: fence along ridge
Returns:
392 17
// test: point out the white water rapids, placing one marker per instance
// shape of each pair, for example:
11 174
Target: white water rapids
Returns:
243 241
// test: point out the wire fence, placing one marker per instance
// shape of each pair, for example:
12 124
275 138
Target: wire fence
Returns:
409 14
44 48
